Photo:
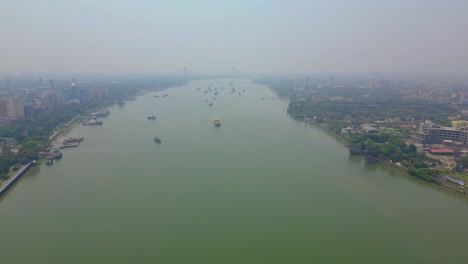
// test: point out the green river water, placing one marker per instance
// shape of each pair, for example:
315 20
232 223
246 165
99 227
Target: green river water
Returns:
262 188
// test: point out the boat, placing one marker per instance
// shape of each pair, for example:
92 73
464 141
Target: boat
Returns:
211 104
49 161
157 140
156 96
216 122
166 95
92 122
151 118
56 153
71 140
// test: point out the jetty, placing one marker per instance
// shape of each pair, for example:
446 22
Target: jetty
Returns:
11 181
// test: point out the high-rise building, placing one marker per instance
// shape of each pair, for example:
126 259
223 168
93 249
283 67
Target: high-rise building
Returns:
11 108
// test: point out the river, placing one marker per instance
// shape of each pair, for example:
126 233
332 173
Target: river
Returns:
262 188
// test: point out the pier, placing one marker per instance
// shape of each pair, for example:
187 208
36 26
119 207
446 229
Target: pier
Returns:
11 181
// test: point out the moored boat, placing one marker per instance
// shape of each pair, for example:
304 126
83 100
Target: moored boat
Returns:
216 122
92 122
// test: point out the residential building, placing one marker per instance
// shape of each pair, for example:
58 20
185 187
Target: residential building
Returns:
11 109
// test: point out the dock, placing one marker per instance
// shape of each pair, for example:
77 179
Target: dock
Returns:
11 181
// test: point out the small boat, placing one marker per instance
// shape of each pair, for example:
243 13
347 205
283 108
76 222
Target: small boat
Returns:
151 118
216 122
156 96
211 104
49 161
157 140
166 95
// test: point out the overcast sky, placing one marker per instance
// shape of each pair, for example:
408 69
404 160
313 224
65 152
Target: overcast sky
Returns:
264 36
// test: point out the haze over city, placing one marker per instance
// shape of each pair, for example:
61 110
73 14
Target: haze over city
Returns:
214 36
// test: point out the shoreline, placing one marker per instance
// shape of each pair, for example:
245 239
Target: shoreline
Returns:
443 184
6 185
15 176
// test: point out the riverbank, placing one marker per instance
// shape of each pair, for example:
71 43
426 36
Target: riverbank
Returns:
437 179
6 185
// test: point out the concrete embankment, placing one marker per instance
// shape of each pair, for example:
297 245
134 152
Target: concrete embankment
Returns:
11 181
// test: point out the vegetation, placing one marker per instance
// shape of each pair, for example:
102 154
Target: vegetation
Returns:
33 134
338 107
367 112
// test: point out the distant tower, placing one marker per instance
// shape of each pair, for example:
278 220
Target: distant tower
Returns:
73 81
307 81
40 81
185 73
51 81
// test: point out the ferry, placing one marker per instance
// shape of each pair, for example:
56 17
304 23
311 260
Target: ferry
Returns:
216 122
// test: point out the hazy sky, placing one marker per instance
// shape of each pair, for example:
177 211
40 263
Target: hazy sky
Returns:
253 36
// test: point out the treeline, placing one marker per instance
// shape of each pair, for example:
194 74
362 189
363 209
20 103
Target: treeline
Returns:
396 150
33 133
355 105
367 112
